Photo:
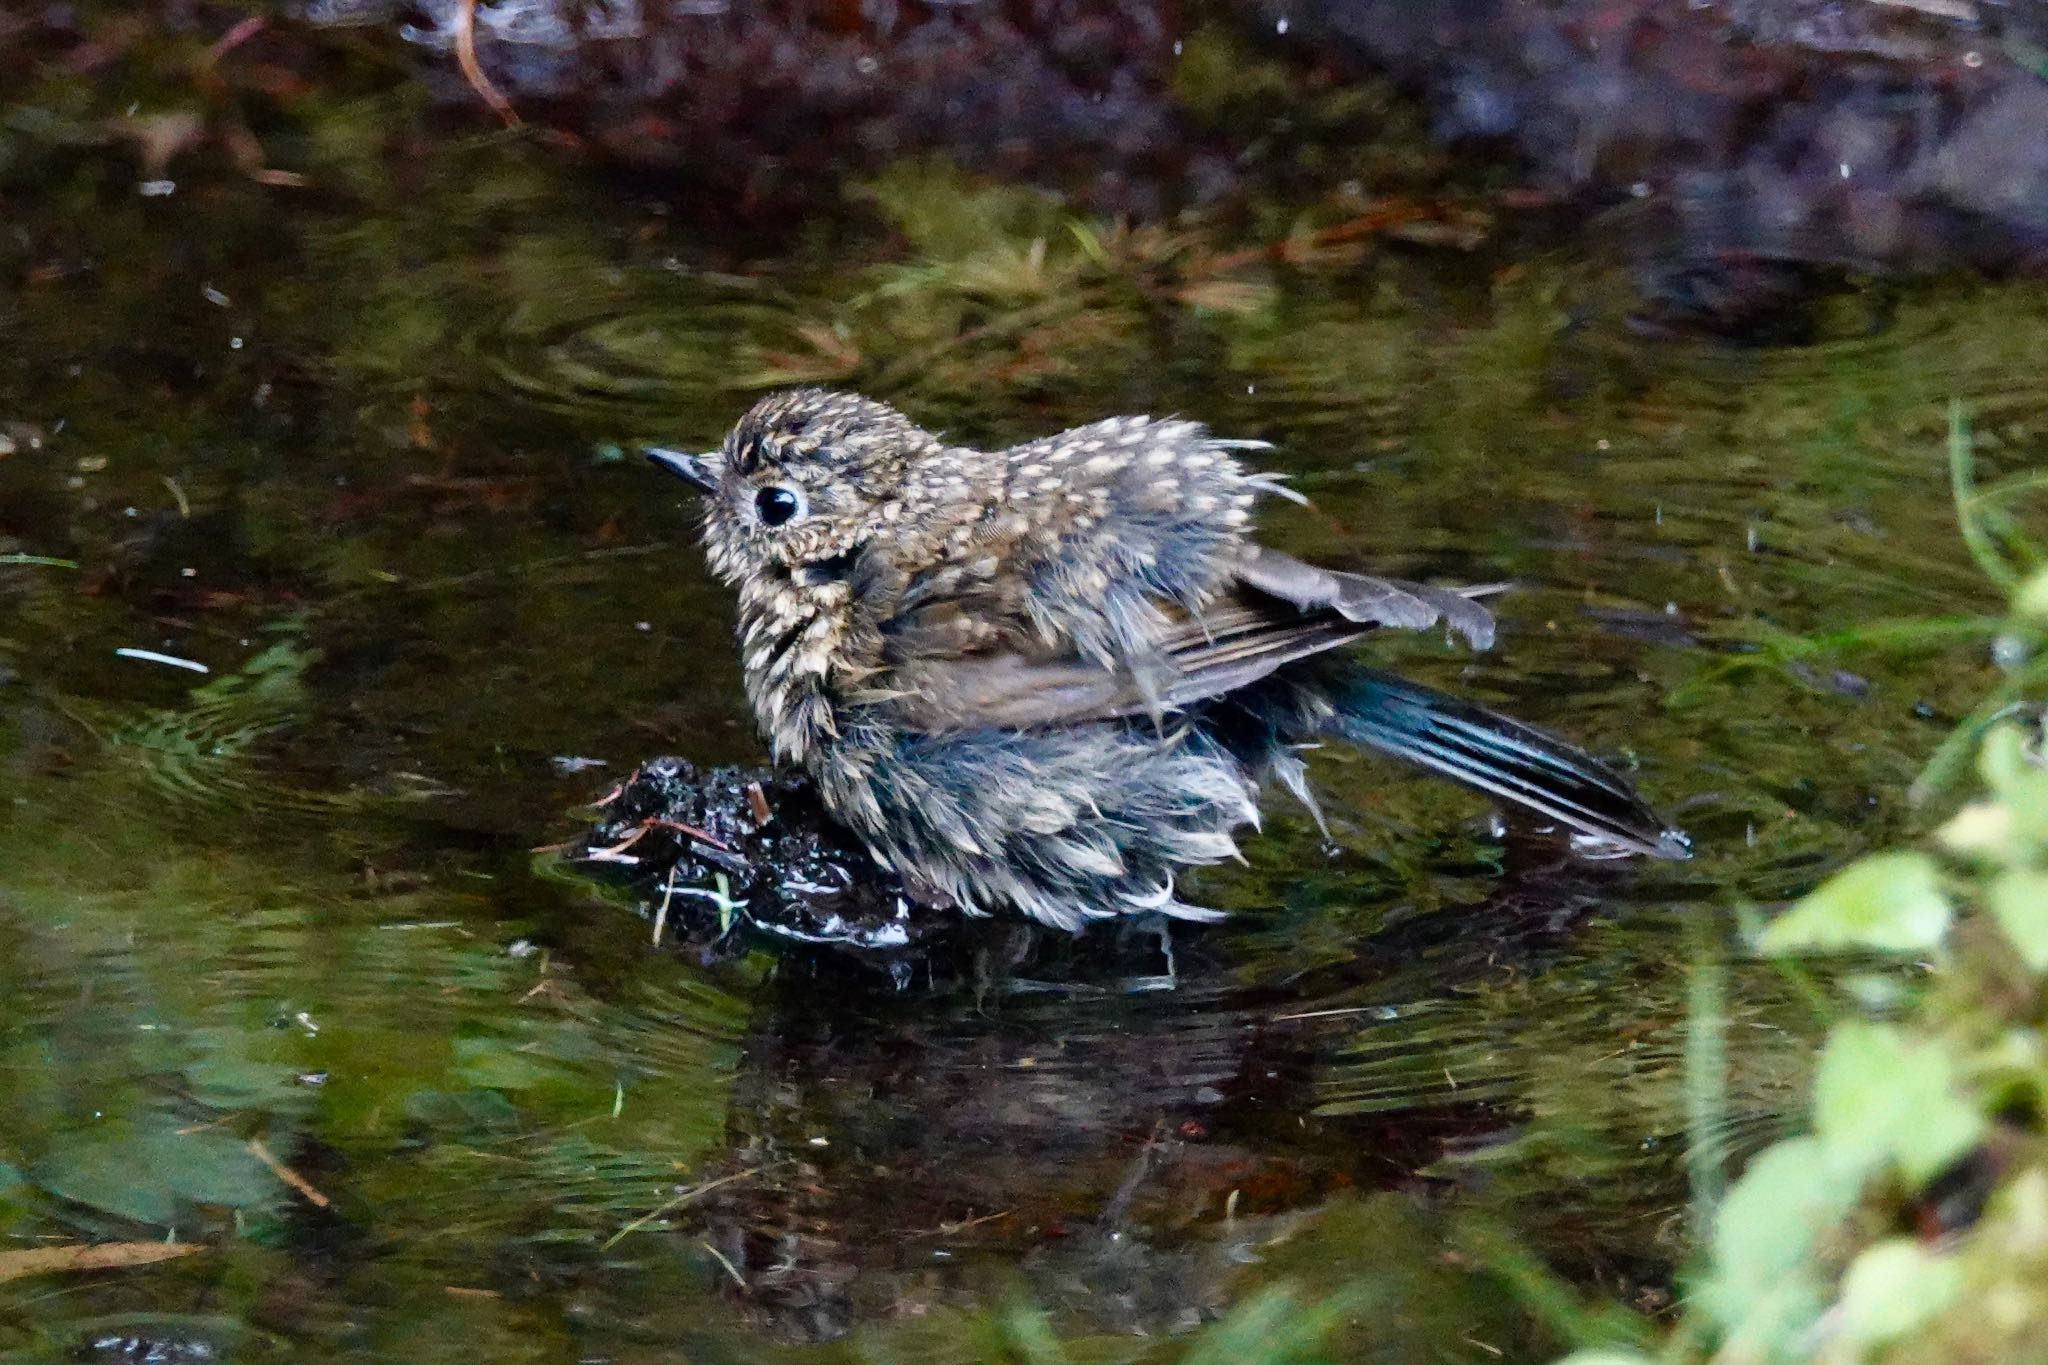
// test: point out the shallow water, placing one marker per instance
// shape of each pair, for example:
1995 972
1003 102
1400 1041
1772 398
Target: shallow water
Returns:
364 454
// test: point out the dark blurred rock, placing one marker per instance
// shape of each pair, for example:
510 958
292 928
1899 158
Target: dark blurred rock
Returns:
752 107
1860 135
1904 135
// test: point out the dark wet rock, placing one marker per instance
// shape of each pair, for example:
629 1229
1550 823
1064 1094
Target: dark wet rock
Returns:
153 1343
760 108
693 848
1891 136
1884 136
1867 136
1741 297
709 853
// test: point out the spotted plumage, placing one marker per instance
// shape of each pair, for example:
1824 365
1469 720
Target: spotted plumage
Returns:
1046 677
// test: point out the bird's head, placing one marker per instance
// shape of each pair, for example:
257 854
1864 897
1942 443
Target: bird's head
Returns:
801 483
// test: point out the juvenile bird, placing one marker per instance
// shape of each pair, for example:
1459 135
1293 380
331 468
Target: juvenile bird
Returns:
1045 677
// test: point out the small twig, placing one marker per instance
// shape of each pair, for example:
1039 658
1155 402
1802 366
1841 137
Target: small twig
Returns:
605 855
730 1268
288 1175
234 38
668 893
950 1229
100 1256
1327 1014
694 1192
224 1119
472 71
726 904
612 853
1390 214
150 656
691 831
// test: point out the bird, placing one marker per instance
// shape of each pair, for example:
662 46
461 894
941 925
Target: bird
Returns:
1045 679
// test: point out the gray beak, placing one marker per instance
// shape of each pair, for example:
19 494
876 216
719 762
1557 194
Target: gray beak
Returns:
691 469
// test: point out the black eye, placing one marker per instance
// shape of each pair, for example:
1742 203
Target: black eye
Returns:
777 505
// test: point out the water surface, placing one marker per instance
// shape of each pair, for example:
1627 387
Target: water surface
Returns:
363 453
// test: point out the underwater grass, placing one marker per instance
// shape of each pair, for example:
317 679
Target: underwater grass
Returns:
1910 1222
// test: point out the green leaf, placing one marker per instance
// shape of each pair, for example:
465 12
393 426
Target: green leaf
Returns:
1894 1287
1982 830
1882 1102
2002 759
1026 1329
1890 901
2010 764
497 1064
2032 598
147 1171
2019 901
1271 1328
1765 1290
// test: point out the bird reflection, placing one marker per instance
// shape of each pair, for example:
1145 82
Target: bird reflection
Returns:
1125 1117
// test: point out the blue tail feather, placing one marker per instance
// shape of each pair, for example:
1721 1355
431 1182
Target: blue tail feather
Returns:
1504 758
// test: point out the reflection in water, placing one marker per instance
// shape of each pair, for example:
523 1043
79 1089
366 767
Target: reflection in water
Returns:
296 904
1036 1101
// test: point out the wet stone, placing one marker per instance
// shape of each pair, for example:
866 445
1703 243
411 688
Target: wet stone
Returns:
722 859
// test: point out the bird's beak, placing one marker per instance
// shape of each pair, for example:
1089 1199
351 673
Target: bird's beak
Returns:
694 470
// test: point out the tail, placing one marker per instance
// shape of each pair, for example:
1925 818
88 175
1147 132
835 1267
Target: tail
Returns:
1501 757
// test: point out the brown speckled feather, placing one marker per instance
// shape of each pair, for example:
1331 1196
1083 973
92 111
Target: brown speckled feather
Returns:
1240 637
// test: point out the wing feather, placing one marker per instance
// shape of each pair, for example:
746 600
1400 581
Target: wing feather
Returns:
1280 610
1367 600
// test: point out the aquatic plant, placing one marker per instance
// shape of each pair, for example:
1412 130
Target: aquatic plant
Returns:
1909 1222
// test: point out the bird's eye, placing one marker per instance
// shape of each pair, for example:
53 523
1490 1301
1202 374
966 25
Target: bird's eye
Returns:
777 505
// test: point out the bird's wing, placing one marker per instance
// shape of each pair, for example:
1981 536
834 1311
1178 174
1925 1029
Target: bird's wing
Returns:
1105 529
1366 600
1277 611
